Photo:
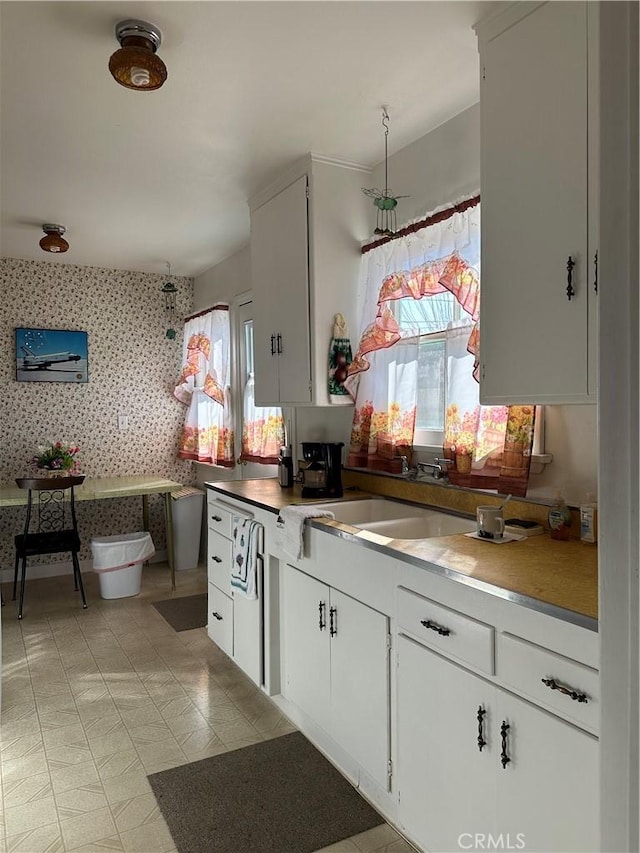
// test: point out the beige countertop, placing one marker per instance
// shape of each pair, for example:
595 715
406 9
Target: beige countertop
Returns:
560 574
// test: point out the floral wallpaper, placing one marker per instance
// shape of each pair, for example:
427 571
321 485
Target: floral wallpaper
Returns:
132 371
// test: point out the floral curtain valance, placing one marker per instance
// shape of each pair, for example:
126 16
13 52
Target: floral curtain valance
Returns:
203 386
444 256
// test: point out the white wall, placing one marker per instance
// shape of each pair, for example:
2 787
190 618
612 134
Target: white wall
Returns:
223 282
438 168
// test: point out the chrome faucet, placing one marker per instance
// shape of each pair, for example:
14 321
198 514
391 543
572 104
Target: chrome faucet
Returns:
438 467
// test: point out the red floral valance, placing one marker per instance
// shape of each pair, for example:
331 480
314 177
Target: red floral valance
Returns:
451 274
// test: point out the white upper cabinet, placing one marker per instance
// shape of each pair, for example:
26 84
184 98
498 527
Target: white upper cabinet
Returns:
538 186
306 230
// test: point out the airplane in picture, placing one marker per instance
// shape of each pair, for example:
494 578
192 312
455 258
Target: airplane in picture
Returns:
31 361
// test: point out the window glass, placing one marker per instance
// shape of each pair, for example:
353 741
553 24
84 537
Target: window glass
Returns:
428 319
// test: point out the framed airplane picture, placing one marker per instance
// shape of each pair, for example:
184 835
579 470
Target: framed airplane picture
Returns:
51 355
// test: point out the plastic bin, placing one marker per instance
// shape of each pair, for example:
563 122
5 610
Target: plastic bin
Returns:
118 562
186 511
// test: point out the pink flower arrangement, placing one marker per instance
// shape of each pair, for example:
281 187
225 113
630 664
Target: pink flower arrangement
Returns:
56 456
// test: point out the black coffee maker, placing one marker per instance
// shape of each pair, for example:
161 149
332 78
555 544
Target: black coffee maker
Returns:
322 476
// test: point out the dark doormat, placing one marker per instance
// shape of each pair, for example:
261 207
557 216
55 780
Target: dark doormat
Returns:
278 796
184 613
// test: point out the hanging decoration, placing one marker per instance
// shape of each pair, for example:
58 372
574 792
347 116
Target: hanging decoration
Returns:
340 357
384 200
170 290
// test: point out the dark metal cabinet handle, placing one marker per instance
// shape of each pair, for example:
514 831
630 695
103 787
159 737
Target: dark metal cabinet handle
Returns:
570 265
273 344
433 626
216 559
576 695
333 621
504 757
322 615
480 718
216 518
217 615
279 343
595 268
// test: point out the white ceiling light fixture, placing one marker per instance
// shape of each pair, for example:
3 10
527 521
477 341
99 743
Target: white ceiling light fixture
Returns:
136 65
54 241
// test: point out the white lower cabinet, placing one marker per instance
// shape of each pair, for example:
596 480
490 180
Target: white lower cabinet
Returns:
337 668
475 761
234 622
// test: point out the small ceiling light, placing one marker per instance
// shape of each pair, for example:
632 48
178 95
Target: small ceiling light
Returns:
54 241
136 65
385 200
170 290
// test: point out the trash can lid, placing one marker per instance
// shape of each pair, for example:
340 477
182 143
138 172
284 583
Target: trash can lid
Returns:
118 538
185 492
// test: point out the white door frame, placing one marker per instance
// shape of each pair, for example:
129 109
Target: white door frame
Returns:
619 428
248 470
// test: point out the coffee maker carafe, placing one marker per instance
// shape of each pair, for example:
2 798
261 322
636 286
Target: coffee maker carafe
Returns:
322 477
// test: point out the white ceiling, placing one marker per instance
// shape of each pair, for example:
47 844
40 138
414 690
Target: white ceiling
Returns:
139 178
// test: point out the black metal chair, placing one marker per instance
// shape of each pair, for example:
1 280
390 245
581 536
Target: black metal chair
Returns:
50 527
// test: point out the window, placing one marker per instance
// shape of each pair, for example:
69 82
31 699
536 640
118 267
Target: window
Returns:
427 319
262 427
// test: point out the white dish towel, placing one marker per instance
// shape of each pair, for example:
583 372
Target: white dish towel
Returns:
289 536
244 555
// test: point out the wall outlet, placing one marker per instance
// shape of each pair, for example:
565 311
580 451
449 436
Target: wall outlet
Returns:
123 421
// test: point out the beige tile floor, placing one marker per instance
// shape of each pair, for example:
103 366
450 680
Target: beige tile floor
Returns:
94 700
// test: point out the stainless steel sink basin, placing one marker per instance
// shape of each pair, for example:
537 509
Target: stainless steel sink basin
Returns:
397 520
432 523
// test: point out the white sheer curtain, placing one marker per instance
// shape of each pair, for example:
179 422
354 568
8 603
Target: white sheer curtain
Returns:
262 429
207 435
441 258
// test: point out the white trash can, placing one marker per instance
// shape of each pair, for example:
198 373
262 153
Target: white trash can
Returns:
186 511
118 560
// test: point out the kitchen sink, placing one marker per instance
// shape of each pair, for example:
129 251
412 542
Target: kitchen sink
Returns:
369 510
430 523
397 520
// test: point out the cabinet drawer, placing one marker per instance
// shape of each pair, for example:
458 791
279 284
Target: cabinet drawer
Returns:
219 561
219 519
522 665
451 633
220 619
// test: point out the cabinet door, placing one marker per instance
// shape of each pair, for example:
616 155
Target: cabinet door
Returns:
307 651
247 635
548 793
534 209
280 284
447 785
220 619
360 683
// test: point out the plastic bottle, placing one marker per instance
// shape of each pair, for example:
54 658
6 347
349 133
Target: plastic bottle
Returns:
559 518
285 468
589 519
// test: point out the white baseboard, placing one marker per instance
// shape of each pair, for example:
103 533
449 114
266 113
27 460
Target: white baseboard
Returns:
52 570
